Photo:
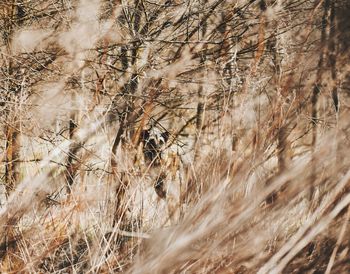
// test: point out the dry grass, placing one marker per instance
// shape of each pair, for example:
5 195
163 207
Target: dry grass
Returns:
254 176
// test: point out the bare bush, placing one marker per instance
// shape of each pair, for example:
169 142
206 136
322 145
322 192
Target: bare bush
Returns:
174 137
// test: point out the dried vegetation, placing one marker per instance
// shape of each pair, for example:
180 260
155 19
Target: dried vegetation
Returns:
174 136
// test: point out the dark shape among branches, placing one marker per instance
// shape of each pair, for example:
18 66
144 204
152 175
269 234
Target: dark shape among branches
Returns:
152 144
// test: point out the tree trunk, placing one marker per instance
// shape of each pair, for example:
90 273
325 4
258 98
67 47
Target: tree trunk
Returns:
72 155
12 129
314 97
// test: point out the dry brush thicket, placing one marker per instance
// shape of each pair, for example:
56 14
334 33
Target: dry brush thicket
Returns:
174 136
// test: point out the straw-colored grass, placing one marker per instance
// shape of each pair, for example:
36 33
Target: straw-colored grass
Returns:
247 101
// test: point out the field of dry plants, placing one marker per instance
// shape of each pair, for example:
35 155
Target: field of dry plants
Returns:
175 136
